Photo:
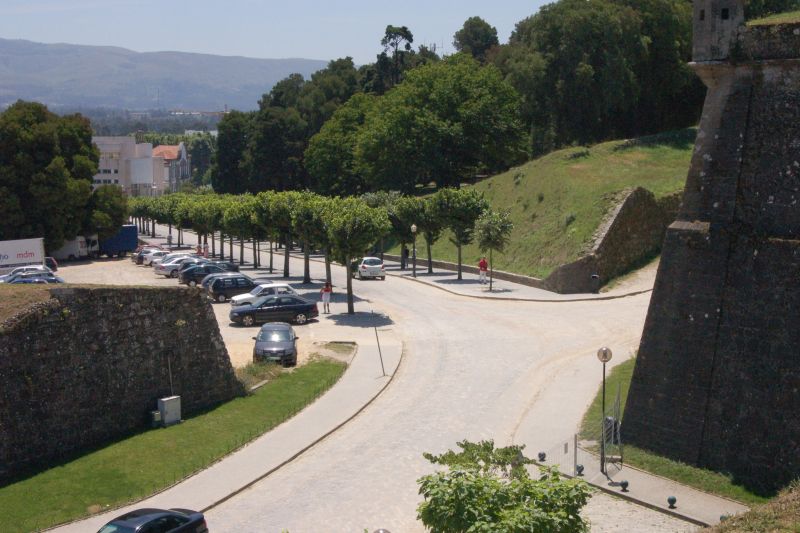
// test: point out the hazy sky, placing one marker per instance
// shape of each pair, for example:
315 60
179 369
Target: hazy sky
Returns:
313 29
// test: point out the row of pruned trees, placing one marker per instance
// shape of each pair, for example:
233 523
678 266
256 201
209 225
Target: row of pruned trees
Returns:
342 228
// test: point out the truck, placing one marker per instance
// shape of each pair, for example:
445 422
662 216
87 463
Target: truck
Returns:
72 250
21 252
126 240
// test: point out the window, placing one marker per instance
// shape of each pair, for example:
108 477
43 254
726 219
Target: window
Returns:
229 282
286 300
242 282
702 14
116 171
726 14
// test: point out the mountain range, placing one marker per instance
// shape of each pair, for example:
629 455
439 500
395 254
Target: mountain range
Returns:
71 75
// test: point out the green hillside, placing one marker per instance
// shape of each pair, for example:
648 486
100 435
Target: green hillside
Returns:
558 201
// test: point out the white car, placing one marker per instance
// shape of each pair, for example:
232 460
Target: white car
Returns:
170 268
260 292
27 268
369 267
148 259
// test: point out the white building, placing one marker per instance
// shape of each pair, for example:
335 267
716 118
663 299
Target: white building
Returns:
130 166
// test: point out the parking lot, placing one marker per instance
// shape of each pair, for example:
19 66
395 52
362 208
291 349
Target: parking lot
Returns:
238 339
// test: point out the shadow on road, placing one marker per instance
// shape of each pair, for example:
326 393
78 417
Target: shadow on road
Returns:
362 320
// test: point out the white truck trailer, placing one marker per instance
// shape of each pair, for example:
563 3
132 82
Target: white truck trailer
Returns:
72 250
20 253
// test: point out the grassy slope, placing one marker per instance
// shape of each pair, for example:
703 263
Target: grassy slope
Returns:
706 480
132 468
781 515
780 18
580 182
15 298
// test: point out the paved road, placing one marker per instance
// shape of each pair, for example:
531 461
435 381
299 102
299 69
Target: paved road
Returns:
512 371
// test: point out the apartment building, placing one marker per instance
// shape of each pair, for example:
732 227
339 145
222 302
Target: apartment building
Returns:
131 166
177 164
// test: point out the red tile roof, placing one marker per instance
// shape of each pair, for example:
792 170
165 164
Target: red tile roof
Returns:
166 151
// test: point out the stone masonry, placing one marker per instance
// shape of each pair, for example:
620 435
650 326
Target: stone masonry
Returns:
717 379
87 366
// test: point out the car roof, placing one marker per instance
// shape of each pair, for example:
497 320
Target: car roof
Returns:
275 326
138 517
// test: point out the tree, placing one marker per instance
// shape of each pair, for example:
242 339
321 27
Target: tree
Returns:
274 156
264 218
476 37
493 230
489 489
228 175
107 210
353 227
444 123
403 212
281 206
304 220
393 38
460 209
47 164
330 158
431 224
760 8
238 220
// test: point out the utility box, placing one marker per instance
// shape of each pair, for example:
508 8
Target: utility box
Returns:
170 409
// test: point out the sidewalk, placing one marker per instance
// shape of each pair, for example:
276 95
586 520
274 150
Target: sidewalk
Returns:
447 280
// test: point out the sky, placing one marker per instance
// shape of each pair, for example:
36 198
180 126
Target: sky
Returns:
311 29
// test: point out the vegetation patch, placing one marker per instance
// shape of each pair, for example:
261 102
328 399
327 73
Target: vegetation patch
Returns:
790 17
557 202
713 482
254 373
14 299
781 515
131 469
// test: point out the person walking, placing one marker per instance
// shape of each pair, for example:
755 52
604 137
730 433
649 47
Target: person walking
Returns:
483 267
326 292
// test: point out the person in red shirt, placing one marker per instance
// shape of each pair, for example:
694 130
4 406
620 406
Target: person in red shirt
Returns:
483 267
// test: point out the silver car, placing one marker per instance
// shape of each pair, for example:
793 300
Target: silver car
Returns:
369 267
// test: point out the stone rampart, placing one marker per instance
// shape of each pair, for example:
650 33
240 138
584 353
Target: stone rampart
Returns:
87 366
717 378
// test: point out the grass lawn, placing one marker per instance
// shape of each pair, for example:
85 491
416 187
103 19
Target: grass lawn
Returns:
133 468
781 18
15 298
557 201
705 480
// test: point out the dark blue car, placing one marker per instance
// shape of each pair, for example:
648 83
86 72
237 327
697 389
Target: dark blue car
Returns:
157 521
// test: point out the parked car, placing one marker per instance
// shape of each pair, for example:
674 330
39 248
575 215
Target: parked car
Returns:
147 260
369 267
170 268
157 521
276 342
227 265
261 291
275 309
139 257
170 256
40 281
229 286
206 281
190 262
48 277
26 268
51 263
195 273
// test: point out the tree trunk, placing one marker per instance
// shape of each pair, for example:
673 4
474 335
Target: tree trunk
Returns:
491 270
381 248
350 309
180 237
213 244
256 253
287 237
230 247
430 259
271 249
328 265
241 250
199 243
306 263
221 246
459 261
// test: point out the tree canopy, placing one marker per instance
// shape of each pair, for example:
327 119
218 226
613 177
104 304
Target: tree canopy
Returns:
476 38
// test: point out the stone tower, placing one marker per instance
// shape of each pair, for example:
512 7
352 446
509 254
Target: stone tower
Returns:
717 379
715 25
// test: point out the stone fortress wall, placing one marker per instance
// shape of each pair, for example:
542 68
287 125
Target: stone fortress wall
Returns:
717 379
87 366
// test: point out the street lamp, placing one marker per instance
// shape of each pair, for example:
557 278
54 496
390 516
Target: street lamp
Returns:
414 251
604 355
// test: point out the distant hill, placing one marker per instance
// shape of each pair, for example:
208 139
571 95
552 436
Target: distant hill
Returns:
95 76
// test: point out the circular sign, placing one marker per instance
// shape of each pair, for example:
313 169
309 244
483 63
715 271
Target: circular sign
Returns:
604 354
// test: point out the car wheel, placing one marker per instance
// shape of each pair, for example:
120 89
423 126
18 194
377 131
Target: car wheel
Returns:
173 274
248 320
221 298
361 276
192 283
300 318
383 278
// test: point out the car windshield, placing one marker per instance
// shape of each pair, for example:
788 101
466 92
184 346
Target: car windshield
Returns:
372 262
255 291
113 528
275 335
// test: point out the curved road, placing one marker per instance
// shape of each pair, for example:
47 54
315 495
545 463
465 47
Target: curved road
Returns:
477 369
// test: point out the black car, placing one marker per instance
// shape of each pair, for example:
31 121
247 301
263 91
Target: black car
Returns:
276 342
230 266
223 288
51 263
195 274
285 308
190 262
157 521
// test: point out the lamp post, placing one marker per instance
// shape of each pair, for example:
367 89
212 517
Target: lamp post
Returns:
414 251
604 355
